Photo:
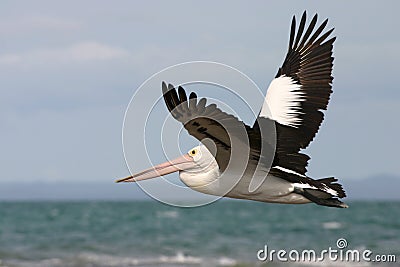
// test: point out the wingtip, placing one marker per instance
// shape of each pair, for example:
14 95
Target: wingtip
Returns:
182 94
304 15
315 17
164 87
293 24
325 22
192 95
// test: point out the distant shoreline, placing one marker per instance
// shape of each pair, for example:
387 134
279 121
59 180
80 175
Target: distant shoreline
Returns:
376 188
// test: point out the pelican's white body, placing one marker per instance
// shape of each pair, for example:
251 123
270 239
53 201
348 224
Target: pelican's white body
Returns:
206 178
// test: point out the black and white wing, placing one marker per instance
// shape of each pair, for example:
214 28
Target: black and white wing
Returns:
204 121
300 91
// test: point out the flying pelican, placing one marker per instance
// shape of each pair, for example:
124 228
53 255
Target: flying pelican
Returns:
293 108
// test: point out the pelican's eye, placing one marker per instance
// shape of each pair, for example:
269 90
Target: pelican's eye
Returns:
193 152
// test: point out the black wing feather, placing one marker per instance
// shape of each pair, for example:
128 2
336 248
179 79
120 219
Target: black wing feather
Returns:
309 63
202 121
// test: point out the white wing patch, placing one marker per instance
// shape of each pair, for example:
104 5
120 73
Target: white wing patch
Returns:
283 100
288 171
305 185
325 188
301 185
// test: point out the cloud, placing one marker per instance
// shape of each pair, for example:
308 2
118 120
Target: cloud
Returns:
28 24
80 52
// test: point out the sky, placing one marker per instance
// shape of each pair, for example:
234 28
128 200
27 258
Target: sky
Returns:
69 69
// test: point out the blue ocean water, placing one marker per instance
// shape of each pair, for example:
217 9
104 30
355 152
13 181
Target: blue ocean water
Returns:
225 233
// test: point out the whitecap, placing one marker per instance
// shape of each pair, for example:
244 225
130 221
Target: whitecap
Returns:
180 258
224 261
52 262
332 225
168 214
115 261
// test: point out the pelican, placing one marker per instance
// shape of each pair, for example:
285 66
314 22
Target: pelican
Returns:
271 167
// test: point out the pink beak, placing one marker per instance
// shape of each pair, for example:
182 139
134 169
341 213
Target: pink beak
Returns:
179 164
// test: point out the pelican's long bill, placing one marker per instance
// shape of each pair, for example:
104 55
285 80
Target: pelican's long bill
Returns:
179 164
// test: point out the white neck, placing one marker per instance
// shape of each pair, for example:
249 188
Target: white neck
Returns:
204 181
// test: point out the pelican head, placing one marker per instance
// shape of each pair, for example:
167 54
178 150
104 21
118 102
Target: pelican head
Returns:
197 168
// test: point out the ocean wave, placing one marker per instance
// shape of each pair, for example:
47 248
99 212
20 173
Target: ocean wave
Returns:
108 260
332 225
168 214
40 263
104 260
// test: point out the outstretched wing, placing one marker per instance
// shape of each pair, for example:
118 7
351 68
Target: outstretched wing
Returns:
300 91
205 121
